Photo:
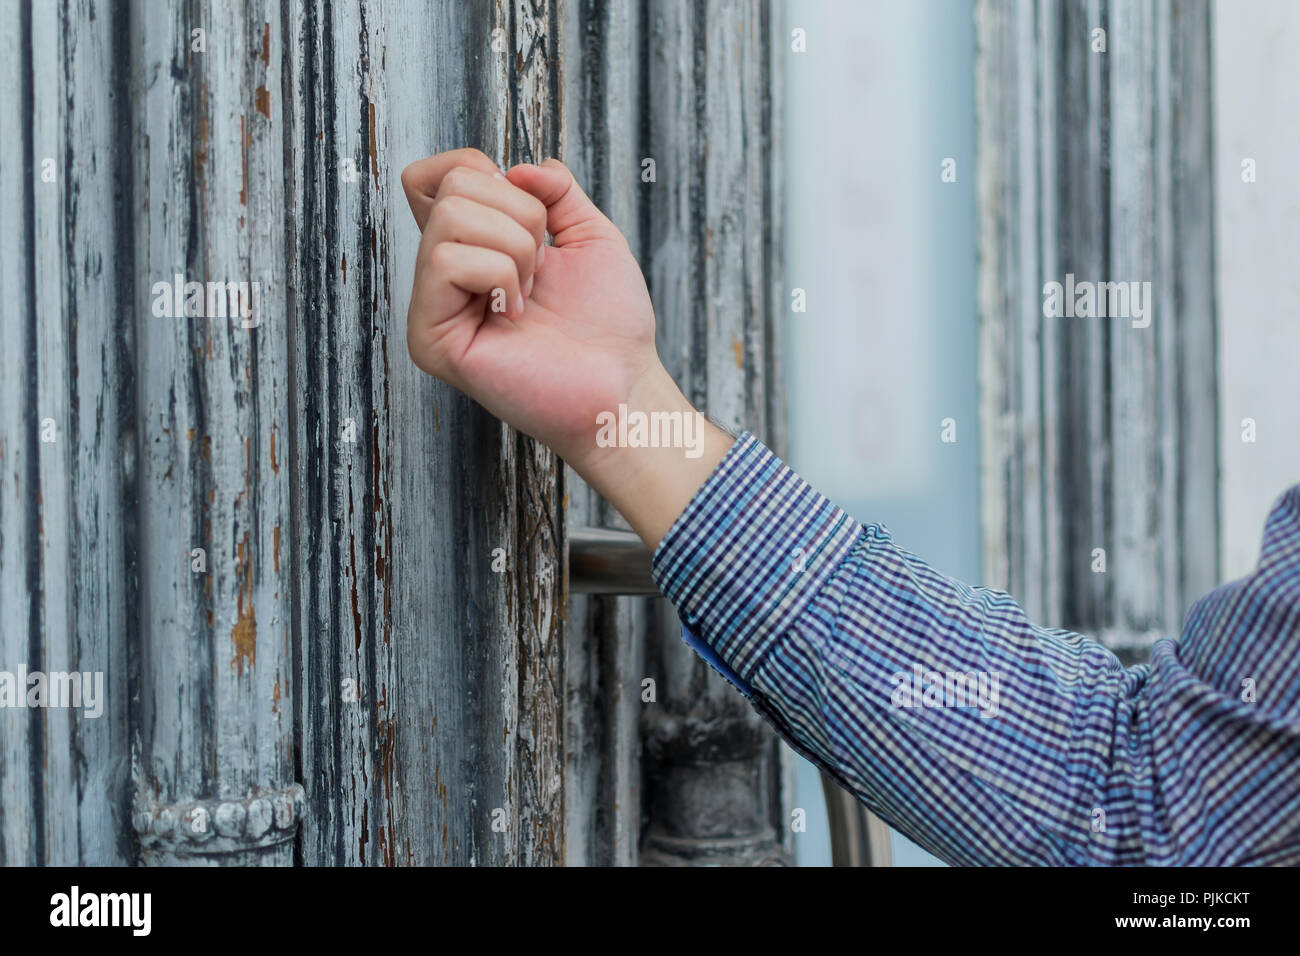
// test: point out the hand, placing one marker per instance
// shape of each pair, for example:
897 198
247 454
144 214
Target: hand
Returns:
546 338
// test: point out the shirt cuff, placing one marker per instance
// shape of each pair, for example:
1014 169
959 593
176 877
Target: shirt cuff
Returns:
752 548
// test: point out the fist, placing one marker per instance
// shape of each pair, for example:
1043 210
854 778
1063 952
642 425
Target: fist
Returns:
544 337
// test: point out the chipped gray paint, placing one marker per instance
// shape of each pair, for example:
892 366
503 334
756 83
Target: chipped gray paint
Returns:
327 560
348 634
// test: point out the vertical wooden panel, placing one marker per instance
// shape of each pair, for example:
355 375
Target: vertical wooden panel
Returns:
342 530
1097 433
1135 400
434 686
53 393
686 126
602 144
711 277
63 590
1080 85
20 815
215 720
1194 342
536 107
100 426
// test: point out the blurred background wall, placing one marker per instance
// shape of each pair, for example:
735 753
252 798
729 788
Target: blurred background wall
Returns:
886 253
1256 106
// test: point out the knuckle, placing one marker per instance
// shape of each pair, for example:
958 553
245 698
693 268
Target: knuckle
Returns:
537 216
449 206
456 180
520 245
440 258
507 271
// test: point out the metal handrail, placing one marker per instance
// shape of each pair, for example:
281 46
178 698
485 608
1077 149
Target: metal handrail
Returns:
607 561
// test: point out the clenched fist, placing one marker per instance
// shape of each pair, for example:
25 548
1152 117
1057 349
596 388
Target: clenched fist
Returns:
545 337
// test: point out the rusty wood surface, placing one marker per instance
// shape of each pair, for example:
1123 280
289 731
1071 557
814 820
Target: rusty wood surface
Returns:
432 716
215 681
296 559
343 626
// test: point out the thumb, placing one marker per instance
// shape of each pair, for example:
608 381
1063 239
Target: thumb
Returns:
571 216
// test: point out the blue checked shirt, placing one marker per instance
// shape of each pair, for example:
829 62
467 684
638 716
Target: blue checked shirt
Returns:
980 735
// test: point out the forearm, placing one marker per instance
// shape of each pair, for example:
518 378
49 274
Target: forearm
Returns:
942 706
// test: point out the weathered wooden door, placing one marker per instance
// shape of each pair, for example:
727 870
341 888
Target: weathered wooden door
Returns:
326 594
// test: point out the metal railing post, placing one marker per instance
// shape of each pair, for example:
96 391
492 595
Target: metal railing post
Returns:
611 562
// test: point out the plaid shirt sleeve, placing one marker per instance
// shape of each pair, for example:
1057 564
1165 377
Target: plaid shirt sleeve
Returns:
980 735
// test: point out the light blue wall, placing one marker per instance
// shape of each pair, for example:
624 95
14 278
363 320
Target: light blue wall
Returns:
886 254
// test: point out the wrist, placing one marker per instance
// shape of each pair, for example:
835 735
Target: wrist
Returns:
649 456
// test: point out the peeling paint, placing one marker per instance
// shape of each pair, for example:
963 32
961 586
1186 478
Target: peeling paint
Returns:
243 636
374 150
